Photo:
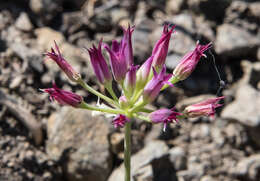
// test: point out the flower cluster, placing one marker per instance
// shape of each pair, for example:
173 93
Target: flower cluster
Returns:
140 85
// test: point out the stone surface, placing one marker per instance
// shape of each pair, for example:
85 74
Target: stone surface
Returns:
239 42
178 158
155 150
174 6
23 22
87 137
247 167
245 108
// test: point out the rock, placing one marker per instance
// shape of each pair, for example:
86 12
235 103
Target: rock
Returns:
239 43
23 22
117 14
178 158
247 168
172 61
258 54
28 54
153 151
180 42
174 6
46 36
245 108
184 21
5 19
77 129
204 29
207 7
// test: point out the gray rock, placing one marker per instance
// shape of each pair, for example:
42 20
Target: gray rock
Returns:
247 167
185 21
174 6
239 42
142 161
172 61
178 158
245 108
77 129
23 22
28 54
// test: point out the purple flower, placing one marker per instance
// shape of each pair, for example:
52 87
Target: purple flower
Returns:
63 64
143 73
205 108
164 116
189 61
153 87
64 97
121 55
117 60
120 121
160 49
130 80
127 42
99 64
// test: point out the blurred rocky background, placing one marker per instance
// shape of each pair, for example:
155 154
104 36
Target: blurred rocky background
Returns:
41 141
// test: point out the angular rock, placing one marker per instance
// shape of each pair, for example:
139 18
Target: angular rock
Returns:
247 168
153 151
23 22
87 137
245 108
174 6
238 43
178 158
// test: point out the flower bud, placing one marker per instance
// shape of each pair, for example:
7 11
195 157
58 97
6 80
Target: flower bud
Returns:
164 116
99 64
143 72
153 87
64 97
130 81
63 64
120 121
189 61
205 108
160 49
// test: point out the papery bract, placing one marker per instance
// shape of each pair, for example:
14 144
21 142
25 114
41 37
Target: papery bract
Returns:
64 97
120 121
160 49
63 64
153 87
189 61
99 64
164 116
205 108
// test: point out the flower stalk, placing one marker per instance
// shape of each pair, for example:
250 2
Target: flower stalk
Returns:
140 85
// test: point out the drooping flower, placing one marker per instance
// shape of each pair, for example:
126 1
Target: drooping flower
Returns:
189 61
99 64
120 121
143 72
153 87
63 64
160 49
164 116
64 97
205 108
130 81
117 60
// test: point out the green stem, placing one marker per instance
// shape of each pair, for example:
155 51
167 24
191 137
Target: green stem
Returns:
144 118
173 80
93 91
111 92
106 110
138 106
127 151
